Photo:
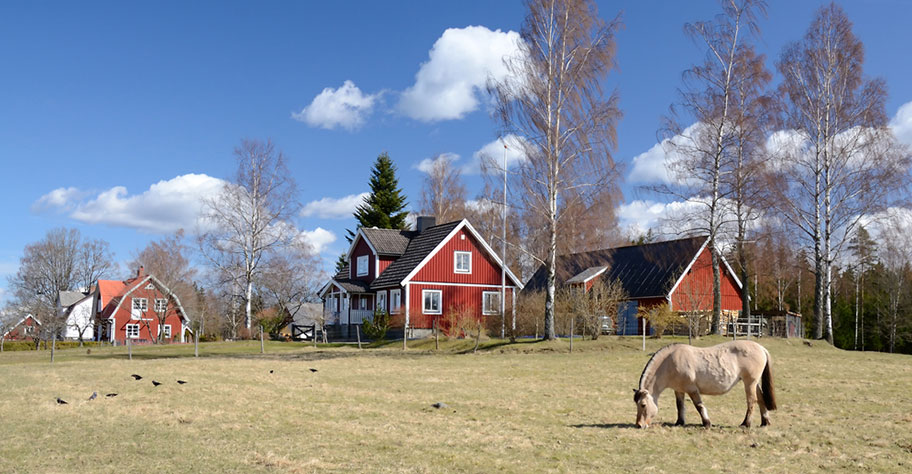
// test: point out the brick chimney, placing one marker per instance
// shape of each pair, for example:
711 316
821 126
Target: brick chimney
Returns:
424 222
139 272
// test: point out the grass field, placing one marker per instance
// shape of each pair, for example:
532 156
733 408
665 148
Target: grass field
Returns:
526 407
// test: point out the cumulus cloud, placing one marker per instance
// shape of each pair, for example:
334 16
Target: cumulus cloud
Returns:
902 124
163 208
427 164
651 166
345 107
459 65
319 238
333 208
492 154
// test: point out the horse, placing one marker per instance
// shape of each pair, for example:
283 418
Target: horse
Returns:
699 371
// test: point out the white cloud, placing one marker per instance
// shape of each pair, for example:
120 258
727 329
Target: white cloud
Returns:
651 166
165 207
459 65
319 238
345 107
332 208
493 154
427 164
902 124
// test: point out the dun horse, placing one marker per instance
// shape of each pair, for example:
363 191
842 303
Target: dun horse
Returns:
699 371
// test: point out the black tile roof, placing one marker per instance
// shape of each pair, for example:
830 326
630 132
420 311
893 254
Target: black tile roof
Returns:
419 247
351 286
648 270
389 242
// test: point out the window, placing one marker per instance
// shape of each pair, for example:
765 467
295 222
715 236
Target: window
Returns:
362 265
150 286
133 331
363 302
139 306
166 331
395 301
462 262
161 305
490 302
381 301
432 301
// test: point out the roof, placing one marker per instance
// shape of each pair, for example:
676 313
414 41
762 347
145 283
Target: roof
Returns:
648 270
349 285
69 298
587 274
418 248
389 242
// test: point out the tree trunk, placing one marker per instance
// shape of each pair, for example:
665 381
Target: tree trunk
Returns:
53 346
248 308
262 343
717 291
552 283
196 343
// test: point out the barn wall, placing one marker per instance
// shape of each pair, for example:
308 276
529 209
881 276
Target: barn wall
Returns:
454 299
695 292
441 265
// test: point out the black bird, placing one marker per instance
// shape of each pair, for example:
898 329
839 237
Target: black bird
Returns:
60 401
111 395
312 369
94 396
136 377
181 382
156 383
271 371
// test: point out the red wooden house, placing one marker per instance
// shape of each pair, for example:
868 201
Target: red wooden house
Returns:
27 328
677 272
129 309
418 277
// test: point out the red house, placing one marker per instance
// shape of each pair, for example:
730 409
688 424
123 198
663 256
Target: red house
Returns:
27 327
130 309
677 272
418 277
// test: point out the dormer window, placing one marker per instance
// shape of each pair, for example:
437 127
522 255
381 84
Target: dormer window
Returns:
462 262
362 265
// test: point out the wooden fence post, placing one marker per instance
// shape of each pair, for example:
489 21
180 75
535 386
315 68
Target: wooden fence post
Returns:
477 338
130 348
358 332
262 344
404 336
571 333
436 335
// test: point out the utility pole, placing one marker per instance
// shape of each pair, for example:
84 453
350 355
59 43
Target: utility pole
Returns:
503 254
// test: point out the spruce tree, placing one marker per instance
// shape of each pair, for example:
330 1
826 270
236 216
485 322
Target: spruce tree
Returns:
384 207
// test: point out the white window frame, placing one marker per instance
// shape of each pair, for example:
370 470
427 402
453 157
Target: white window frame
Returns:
489 311
128 331
363 302
167 330
424 308
395 301
381 301
362 262
164 305
136 313
456 255
150 286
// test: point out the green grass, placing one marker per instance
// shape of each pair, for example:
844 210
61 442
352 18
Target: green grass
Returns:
525 407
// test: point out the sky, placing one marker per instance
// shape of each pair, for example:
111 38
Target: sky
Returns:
117 118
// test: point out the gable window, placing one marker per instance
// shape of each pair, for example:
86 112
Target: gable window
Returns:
150 286
133 331
462 262
166 331
490 302
362 265
395 301
161 305
432 301
381 301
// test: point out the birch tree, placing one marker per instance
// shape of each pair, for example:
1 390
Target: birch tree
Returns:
249 219
553 99
838 160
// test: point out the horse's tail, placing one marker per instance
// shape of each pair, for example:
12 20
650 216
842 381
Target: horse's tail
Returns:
766 385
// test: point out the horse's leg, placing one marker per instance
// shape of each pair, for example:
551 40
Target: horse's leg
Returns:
679 401
750 391
764 411
701 409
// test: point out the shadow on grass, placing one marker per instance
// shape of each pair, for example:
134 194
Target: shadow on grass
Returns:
606 425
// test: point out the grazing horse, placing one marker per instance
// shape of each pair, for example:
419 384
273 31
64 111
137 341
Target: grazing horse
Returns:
697 371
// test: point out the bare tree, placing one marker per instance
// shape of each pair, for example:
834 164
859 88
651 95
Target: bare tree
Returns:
250 218
895 256
840 161
62 261
718 95
8 319
553 99
293 277
443 193
168 263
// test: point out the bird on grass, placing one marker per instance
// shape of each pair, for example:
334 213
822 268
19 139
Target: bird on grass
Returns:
271 371
94 396
313 369
136 377
61 401
181 382
111 395
156 383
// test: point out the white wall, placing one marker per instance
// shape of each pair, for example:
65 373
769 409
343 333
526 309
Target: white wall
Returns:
81 316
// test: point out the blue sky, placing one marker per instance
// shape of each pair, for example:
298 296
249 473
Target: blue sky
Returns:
115 117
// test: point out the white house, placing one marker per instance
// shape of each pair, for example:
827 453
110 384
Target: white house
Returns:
79 310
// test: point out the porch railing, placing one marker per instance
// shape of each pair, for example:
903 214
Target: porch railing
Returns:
359 315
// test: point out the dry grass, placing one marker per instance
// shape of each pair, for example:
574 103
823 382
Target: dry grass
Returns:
515 408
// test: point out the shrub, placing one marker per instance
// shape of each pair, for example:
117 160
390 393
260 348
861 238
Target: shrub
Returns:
376 327
659 316
459 321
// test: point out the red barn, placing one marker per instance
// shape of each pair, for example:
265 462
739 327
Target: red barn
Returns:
677 272
130 309
27 327
418 277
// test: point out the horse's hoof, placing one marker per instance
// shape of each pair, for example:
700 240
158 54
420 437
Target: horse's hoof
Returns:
679 423
707 424
745 425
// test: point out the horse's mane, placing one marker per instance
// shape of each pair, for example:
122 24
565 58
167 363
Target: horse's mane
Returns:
651 360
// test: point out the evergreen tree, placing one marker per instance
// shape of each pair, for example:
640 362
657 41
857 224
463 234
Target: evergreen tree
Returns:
341 262
384 208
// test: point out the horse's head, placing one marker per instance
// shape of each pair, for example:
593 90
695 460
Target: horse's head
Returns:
646 407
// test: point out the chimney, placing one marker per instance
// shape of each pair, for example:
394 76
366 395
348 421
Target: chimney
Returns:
139 273
424 222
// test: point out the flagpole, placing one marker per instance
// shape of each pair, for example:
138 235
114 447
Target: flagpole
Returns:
503 253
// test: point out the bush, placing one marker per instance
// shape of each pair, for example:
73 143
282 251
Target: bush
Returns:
29 345
459 321
660 317
375 328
